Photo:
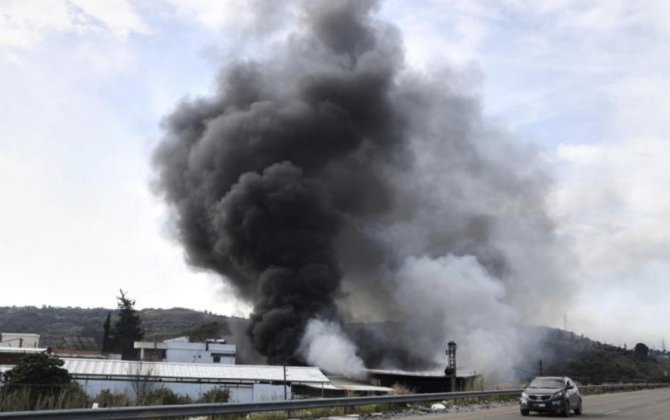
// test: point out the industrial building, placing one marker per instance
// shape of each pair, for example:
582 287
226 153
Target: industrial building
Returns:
182 351
195 368
246 383
185 368
340 387
14 345
424 382
10 356
22 340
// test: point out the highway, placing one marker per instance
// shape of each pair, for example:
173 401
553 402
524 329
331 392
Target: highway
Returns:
643 405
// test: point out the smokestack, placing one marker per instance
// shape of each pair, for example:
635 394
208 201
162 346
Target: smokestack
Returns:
450 370
328 179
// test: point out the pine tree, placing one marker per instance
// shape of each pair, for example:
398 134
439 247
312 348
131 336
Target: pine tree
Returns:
106 333
127 329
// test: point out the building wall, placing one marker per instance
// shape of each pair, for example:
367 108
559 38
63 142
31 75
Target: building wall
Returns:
426 384
12 355
19 340
269 392
200 353
242 393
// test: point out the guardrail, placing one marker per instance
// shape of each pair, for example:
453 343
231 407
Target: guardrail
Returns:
171 411
589 389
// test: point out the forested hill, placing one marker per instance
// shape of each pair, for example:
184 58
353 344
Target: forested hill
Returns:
589 361
54 323
559 352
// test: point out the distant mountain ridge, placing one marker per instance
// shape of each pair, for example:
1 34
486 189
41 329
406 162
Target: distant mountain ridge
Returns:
53 323
561 352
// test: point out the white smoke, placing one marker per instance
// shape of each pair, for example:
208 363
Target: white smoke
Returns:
462 302
325 345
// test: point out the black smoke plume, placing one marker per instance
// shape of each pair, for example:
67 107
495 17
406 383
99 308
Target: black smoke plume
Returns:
327 179
262 176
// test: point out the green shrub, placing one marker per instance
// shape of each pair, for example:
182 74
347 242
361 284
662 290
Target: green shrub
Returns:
107 398
215 395
38 380
27 399
163 396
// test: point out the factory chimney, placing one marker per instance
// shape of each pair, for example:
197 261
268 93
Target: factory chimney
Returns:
450 371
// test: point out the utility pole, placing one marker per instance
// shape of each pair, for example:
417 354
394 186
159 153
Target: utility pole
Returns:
540 367
285 393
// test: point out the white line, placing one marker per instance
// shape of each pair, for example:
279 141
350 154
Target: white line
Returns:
612 412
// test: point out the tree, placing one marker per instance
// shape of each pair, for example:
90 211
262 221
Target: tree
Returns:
641 351
106 332
39 375
127 329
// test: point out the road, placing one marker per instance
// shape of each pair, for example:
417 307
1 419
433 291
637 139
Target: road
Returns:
643 405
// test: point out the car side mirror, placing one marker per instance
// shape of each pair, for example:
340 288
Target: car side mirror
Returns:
569 386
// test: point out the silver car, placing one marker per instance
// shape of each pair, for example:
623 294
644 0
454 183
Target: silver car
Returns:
557 394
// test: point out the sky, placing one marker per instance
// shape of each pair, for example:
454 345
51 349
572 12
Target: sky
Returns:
84 85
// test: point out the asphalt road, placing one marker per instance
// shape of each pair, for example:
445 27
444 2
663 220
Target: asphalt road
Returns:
643 405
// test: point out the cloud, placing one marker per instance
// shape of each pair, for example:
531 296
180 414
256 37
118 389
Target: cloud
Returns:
613 205
26 23
612 197
234 16
118 16
22 23
14 59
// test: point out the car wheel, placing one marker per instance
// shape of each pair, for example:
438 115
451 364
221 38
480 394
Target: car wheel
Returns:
578 409
525 412
566 409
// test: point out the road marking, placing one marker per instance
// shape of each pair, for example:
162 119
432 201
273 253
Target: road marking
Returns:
609 413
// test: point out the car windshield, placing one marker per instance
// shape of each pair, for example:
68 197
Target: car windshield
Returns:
546 383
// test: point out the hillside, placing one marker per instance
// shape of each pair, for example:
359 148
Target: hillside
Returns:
561 352
593 362
54 323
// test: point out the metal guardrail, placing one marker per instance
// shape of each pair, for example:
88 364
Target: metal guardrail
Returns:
171 411
615 387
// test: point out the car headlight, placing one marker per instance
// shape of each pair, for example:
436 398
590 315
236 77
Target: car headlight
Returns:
558 394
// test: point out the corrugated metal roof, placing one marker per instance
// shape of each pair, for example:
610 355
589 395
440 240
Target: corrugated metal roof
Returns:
22 350
119 369
345 384
426 374
349 385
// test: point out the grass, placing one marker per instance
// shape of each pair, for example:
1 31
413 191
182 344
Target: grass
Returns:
26 399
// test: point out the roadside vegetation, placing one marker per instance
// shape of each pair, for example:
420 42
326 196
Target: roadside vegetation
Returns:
39 382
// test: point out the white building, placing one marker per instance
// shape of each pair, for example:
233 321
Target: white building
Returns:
180 350
22 340
246 383
11 356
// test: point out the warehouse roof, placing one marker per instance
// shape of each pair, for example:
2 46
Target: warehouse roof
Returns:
425 374
22 350
190 372
344 384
